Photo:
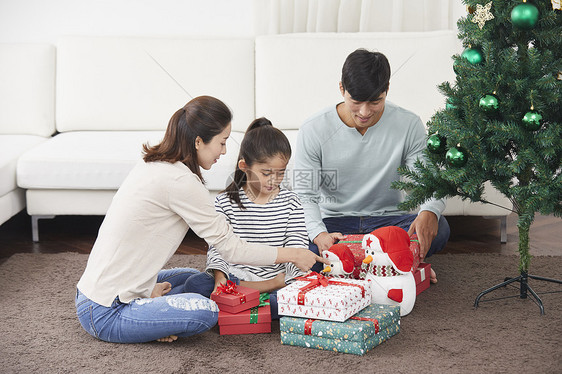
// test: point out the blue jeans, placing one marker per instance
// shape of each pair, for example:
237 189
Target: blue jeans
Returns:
204 284
364 225
148 319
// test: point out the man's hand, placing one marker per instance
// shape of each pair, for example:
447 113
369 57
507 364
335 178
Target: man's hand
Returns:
325 240
425 226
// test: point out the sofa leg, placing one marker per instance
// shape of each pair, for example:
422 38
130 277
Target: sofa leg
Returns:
503 229
35 226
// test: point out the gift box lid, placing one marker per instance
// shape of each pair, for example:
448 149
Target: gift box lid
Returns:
335 293
369 322
254 315
233 294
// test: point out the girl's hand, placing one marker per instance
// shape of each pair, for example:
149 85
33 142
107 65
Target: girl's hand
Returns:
279 281
160 289
220 279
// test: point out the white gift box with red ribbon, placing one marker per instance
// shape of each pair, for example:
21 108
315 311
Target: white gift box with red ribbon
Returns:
319 297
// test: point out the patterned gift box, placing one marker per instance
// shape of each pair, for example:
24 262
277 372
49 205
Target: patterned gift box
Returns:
327 298
354 242
256 320
375 324
234 299
421 275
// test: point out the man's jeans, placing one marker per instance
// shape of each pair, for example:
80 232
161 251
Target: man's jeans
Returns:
148 319
364 225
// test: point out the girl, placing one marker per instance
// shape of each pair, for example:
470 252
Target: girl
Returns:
260 212
120 297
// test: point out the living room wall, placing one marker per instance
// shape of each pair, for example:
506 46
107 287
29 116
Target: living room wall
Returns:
45 21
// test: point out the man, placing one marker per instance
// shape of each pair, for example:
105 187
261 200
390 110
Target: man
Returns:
352 151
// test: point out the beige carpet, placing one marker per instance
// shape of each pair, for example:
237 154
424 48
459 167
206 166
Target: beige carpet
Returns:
40 333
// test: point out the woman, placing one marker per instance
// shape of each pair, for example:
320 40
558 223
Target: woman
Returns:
120 297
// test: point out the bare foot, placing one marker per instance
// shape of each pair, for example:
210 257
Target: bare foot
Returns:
167 339
160 289
433 277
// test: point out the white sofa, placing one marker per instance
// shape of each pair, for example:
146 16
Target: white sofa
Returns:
113 94
27 113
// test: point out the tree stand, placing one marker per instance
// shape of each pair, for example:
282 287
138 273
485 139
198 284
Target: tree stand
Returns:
522 279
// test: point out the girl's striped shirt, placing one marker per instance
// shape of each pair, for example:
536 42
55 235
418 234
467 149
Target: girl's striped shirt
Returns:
279 223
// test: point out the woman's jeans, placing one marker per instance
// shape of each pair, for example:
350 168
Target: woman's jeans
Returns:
204 284
148 319
364 225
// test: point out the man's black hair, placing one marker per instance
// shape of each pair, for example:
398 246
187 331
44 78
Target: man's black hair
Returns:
365 75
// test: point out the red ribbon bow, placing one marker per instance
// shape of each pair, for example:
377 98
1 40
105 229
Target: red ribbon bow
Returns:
374 320
323 281
230 288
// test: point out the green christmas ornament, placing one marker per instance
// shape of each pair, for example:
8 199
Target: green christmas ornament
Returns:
525 16
489 103
455 67
456 156
532 121
436 143
473 55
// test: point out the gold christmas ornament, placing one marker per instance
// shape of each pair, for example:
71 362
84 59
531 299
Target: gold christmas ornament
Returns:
483 14
556 5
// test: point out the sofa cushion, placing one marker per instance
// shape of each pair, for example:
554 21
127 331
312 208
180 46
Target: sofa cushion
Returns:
27 91
11 204
111 83
11 148
83 159
298 74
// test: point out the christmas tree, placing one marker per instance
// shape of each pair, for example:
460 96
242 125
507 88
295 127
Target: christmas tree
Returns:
503 116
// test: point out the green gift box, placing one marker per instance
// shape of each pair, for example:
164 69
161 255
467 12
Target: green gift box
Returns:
357 335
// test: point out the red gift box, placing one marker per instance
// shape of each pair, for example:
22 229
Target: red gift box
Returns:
232 298
354 242
421 275
256 320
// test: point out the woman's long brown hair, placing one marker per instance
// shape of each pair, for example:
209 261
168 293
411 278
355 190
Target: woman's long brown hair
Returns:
203 117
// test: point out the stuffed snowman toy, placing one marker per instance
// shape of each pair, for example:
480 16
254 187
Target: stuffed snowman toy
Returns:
341 261
388 265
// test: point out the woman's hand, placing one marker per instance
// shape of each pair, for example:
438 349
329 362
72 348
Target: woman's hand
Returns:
302 258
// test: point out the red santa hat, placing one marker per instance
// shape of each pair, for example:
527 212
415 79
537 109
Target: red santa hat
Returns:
395 242
345 255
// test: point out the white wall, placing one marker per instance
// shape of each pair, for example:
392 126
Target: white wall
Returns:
46 20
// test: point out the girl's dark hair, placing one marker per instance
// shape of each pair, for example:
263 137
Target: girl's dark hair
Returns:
261 142
365 75
203 117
